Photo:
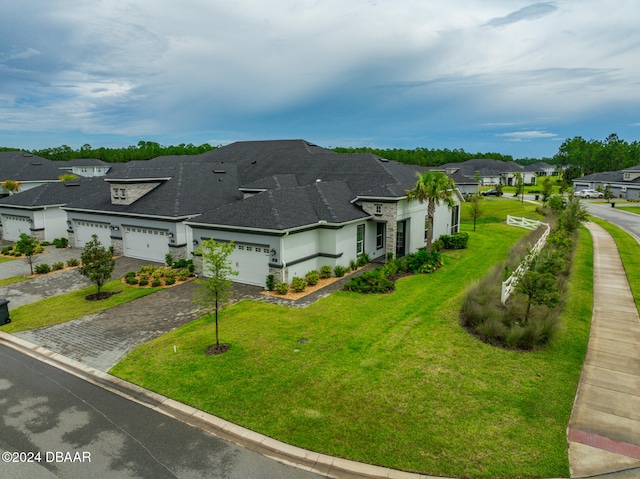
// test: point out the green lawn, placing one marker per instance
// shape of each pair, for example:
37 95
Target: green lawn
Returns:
389 379
630 209
66 307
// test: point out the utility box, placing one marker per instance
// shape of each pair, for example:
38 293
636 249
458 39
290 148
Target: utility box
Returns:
4 311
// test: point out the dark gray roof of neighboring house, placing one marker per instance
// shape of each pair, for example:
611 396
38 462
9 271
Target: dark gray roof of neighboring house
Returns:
22 166
82 162
485 166
607 177
633 168
54 193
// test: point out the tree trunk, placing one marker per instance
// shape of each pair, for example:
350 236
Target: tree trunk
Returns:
217 342
431 211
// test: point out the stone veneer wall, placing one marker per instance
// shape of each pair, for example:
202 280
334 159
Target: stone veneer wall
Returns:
389 215
178 251
38 234
118 246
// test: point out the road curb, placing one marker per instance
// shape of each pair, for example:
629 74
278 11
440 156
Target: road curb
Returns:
311 461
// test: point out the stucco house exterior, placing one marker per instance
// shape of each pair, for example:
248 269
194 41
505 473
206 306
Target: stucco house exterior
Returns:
624 183
289 207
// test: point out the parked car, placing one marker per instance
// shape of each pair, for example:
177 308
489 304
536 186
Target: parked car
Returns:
492 192
590 194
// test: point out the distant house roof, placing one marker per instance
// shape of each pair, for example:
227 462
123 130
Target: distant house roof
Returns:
52 194
22 166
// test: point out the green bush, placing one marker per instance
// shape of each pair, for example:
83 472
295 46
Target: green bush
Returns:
182 274
169 281
73 262
312 277
7 250
156 283
143 282
271 282
61 242
363 259
298 284
339 271
282 288
157 274
168 258
456 241
131 280
130 274
170 273
353 264
370 282
325 272
437 245
423 261
56 266
146 271
43 268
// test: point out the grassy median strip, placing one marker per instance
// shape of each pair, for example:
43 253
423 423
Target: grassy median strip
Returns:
388 379
13 280
66 307
629 250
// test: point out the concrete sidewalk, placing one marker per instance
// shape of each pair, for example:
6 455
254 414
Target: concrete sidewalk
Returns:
604 429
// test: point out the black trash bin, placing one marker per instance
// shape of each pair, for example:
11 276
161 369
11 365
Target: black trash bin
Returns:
4 311
537 197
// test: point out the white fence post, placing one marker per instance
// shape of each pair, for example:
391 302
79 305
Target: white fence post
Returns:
510 284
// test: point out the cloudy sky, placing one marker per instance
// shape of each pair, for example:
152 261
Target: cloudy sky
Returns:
509 76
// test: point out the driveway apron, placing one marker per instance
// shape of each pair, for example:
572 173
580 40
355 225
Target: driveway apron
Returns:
102 339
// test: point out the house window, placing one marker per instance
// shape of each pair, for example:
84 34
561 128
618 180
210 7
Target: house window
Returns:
455 217
379 235
378 209
115 193
122 193
360 240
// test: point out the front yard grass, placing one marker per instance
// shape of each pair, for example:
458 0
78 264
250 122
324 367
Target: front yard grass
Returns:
389 379
66 307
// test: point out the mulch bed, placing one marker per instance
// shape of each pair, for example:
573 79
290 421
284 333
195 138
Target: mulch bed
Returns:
217 349
100 296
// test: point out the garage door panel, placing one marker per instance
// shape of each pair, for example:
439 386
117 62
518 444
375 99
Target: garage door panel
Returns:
251 262
86 229
146 243
14 226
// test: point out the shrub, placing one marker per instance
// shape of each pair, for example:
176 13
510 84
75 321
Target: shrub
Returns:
456 241
325 272
131 280
353 264
157 274
182 274
130 274
437 245
61 242
423 261
143 282
56 266
339 271
169 281
282 288
363 259
7 250
43 268
73 262
370 282
168 258
298 284
170 273
146 271
271 282
312 277
156 283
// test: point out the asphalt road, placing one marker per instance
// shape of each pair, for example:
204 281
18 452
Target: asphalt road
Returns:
69 428
628 221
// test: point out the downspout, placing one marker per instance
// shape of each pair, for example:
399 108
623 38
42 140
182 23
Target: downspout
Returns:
284 263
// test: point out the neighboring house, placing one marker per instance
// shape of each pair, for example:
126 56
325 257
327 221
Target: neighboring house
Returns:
289 206
491 172
32 171
85 167
38 211
624 183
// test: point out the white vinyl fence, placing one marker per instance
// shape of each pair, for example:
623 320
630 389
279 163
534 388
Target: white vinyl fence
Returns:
509 285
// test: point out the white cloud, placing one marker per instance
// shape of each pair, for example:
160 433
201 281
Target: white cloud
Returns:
527 135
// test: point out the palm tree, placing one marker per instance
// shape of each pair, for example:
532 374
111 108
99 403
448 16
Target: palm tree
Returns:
11 186
433 187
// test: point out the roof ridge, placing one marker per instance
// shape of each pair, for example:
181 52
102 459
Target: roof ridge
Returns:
274 208
325 202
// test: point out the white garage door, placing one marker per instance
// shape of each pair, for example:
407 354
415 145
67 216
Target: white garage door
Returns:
86 229
251 262
146 243
13 226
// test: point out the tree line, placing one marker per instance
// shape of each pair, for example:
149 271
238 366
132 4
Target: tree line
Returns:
594 156
144 150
